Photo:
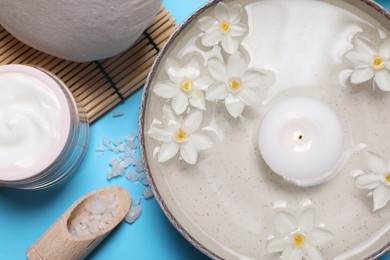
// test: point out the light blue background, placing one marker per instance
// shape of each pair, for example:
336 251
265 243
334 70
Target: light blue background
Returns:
25 215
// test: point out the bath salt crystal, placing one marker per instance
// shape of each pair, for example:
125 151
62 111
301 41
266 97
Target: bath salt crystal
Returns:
133 214
139 166
147 193
106 142
96 216
100 149
109 175
127 161
132 176
117 141
136 201
131 136
121 148
132 144
145 181
117 113
135 210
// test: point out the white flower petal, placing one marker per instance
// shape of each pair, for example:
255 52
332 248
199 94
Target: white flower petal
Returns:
166 89
319 237
237 30
167 151
291 253
188 152
190 72
203 82
253 78
249 97
170 63
382 79
190 47
307 220
365 46
168 116
197 99
375 163
212 38
278 244
173 70
222 12
311 252
193 65
368 181
201 141
388 164
180 103
193 121
236 65
285 223
235 14
229 44
358 59
160 133
234 106
362 75
381 196
216 92
208 24
384 50
217 70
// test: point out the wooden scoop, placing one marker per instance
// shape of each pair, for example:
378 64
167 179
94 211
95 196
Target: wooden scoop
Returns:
59 243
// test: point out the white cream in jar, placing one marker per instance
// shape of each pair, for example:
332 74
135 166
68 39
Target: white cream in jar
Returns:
37 118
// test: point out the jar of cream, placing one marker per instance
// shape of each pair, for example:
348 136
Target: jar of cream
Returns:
43 130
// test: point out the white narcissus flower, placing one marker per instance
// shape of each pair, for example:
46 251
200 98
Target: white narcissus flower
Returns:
298 238
225 27
370 62
236 84
179 135
185 85
376 179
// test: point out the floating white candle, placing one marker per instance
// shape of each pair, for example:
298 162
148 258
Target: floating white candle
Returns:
39 128
301 139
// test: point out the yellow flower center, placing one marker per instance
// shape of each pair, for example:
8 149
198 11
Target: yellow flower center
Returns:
298 239
186 85
235 83
378 62
387 177
180 134
224 26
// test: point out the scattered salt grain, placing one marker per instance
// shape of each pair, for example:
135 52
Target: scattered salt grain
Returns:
117 113
139 167
145 182
100 149
127 162
132 144
147 193
136 201
117 141
131 136
135 210
132 176
96 215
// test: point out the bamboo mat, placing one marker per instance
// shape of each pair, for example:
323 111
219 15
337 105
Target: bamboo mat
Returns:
98 85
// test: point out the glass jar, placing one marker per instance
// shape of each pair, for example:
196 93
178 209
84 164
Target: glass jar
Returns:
43 129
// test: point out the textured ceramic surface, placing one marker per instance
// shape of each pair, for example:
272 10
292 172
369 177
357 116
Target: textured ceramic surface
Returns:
226 203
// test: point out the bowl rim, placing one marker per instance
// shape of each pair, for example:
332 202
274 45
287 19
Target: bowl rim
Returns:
141 126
